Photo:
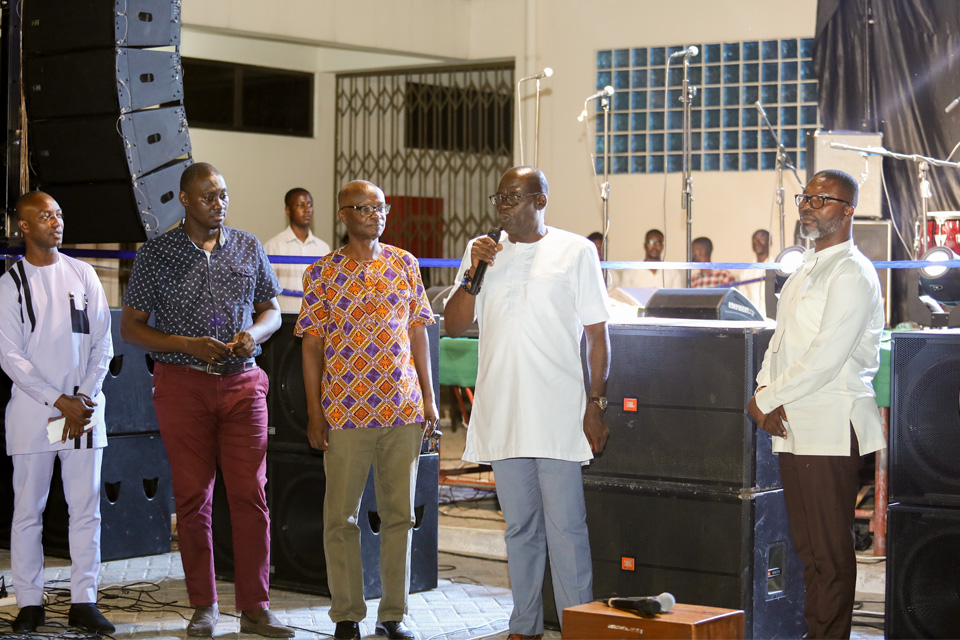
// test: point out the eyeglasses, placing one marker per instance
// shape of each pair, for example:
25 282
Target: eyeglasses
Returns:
512 199
816 202
370 210
654 243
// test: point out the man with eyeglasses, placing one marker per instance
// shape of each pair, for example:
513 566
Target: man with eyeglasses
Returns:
366 372
653 244
212 295
816 399
296 240
532 420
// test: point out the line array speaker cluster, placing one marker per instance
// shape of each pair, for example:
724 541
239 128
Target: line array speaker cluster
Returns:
107 130
923 519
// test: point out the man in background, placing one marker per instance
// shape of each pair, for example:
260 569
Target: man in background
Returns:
55 345
653 245
755 292
702 250
296 240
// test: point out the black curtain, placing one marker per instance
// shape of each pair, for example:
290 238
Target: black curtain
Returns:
893 66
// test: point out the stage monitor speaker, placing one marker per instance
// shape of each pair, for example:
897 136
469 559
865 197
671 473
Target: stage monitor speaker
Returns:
282 359
677 399
296 489
709 548
924 448
923 571
136 500
868 171
105 148
137 497
125 211
701 304
128 387
100 82
423 550
873 238
65 25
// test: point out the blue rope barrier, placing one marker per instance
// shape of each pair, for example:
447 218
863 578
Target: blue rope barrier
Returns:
15 252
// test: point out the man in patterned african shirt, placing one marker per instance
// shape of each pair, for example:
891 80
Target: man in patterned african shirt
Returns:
366 369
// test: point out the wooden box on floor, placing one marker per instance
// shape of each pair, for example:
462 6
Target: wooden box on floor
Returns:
598 621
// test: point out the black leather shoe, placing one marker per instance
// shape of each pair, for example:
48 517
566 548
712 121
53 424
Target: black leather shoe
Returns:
347 630
86 616
394 629
29 619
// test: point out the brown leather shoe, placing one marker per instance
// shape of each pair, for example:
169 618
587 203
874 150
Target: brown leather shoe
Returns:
265 623
520 636
204 621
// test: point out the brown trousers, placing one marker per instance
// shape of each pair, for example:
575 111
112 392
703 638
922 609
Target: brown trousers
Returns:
821 495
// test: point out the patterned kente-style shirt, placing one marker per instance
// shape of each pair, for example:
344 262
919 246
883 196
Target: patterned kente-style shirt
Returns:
363 311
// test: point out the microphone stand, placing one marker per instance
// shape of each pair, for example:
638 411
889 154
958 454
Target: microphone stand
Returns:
536 128
923 166
605 187
688 93
783 160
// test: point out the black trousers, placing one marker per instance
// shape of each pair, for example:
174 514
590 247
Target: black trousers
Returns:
821 496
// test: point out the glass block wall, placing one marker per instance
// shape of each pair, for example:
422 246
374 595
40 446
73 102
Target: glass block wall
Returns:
727 131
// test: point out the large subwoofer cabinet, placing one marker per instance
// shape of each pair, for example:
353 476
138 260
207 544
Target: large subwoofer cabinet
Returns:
686 496
923 519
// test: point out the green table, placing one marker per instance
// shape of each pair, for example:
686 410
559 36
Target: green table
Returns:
881 383
458 361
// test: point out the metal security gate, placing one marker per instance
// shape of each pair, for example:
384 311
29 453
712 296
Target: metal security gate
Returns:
436 141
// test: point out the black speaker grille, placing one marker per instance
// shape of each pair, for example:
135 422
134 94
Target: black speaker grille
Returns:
925 447
923 572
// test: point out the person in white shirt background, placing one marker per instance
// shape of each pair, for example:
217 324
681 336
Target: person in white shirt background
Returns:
295 240
653 246
815 397
755 292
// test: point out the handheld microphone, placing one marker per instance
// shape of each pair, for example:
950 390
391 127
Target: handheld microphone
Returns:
546 73
481 270
763 114
689 52
645 606
953 105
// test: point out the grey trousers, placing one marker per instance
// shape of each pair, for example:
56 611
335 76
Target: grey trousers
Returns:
542 502
394 453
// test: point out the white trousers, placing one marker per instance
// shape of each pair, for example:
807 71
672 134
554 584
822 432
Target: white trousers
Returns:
32 472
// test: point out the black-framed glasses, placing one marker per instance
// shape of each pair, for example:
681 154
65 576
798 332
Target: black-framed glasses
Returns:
816 202
512 199
370 210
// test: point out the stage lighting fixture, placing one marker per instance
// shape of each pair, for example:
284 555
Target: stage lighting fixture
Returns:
789 260
940 283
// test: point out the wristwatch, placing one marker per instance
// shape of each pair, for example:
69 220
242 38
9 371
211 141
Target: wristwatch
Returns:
601 402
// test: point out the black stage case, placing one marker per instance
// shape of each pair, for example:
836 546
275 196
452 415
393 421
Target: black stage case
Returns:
678 393
686 496
923 519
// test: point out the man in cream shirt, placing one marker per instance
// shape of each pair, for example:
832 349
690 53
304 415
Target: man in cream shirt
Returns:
815 397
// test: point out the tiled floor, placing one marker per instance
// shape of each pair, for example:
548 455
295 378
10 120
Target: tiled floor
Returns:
472 599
